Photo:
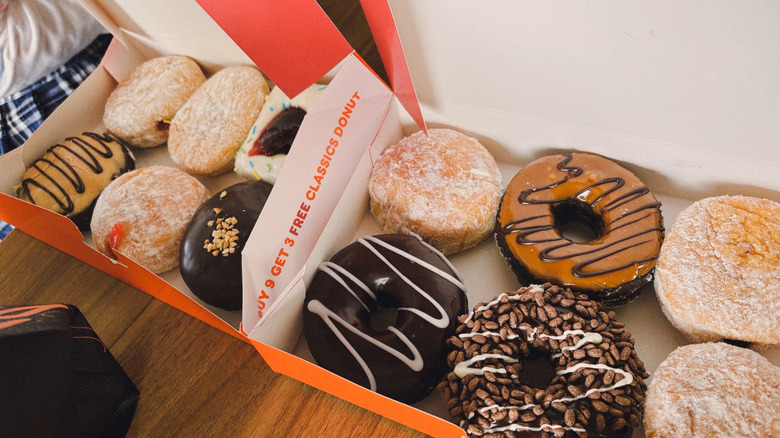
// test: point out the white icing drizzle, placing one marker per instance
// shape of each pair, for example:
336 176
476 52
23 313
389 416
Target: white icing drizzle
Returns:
463 369
531 288
443 320
518 427
626 380
327 315
331 318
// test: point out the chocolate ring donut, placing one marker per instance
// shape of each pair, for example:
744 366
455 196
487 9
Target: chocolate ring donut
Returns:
543 359
609 202
402 359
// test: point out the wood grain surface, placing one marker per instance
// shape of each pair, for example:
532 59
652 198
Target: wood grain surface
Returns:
195 380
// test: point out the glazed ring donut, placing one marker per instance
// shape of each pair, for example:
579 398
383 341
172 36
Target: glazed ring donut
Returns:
379 311
141 107
143 214
547 361
718 274
713 390
208 129
595 193
263 151
444 187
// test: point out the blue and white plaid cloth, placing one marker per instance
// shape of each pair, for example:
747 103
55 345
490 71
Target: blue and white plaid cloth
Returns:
23 112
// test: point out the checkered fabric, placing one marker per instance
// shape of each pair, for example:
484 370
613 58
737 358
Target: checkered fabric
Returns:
4 230
23 112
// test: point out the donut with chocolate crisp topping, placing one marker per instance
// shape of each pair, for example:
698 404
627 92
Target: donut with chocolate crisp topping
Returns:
582 221
543 361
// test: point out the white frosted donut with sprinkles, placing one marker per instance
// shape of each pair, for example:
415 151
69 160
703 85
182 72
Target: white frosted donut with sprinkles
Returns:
543 361
263 151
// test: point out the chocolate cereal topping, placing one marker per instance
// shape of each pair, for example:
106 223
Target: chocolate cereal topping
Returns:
543 361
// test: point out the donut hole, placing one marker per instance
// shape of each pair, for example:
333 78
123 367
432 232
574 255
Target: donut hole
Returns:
383 317
577 221
537 371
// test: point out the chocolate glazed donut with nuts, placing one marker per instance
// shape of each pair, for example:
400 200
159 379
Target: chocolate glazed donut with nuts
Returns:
543 361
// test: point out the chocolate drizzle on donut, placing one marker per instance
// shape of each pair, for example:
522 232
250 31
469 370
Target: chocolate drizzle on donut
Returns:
624 216
60 180
578 270
405 360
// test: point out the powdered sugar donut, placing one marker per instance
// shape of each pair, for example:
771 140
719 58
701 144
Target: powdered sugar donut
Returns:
718 272
265 148
713 390
207 131
445 187
140 109
143 214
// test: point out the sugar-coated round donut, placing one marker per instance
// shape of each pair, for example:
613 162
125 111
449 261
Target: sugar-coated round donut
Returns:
445 187
143 214
543 361
207 131
378 313
593 192
141 107
713 389
210 256
718 274
263 151
69 177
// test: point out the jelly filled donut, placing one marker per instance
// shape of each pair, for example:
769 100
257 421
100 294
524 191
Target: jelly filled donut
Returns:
543 361
208 129
71 175
210 256
263 151
379 311
604 199
713 390
141 107
718 274
445 187
143 214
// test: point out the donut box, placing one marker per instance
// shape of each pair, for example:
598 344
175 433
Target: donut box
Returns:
683 99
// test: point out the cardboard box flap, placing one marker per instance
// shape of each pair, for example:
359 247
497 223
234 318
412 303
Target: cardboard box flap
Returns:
146 27
380 20
337 131
299 30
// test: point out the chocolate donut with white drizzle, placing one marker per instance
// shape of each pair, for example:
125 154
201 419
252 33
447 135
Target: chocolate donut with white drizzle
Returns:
379 312
543 361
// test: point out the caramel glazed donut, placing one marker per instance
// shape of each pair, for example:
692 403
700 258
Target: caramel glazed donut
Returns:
591 191
501 358
402 359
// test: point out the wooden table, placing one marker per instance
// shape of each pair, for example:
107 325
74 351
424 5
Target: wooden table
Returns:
195 380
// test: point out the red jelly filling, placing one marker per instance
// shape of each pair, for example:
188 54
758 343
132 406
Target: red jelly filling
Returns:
278 135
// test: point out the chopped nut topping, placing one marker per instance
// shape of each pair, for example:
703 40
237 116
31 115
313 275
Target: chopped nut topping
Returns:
225 236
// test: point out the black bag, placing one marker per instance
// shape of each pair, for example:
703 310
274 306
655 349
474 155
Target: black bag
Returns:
57 378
